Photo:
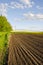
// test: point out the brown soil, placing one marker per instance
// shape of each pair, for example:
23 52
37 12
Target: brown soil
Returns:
25 49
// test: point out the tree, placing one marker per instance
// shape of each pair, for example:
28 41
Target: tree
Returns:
4 24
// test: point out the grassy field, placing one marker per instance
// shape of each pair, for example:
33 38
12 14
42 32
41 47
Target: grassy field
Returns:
25 48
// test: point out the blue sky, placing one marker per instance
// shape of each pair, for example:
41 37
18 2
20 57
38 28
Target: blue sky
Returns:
23 14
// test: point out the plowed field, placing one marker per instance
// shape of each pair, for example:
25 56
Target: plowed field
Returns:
25 49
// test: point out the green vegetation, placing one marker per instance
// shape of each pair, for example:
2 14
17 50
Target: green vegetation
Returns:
5 28
3 47
25 32
4 24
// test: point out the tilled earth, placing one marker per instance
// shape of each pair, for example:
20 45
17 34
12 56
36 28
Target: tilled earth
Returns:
25 49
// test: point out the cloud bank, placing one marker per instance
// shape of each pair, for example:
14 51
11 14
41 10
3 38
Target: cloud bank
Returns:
20 5
3 9
14 5
32 16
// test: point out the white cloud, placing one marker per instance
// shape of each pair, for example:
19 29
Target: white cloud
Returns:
27 3
29 16
3 9
39 16
22 4
16 5
33 16
39 7
5 6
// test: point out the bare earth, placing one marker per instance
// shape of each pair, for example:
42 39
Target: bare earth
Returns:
25 49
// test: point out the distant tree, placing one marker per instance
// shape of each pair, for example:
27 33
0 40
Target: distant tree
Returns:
4 24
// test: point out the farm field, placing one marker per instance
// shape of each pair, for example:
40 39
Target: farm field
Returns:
25 49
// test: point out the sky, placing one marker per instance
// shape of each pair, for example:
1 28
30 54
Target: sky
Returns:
23 14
